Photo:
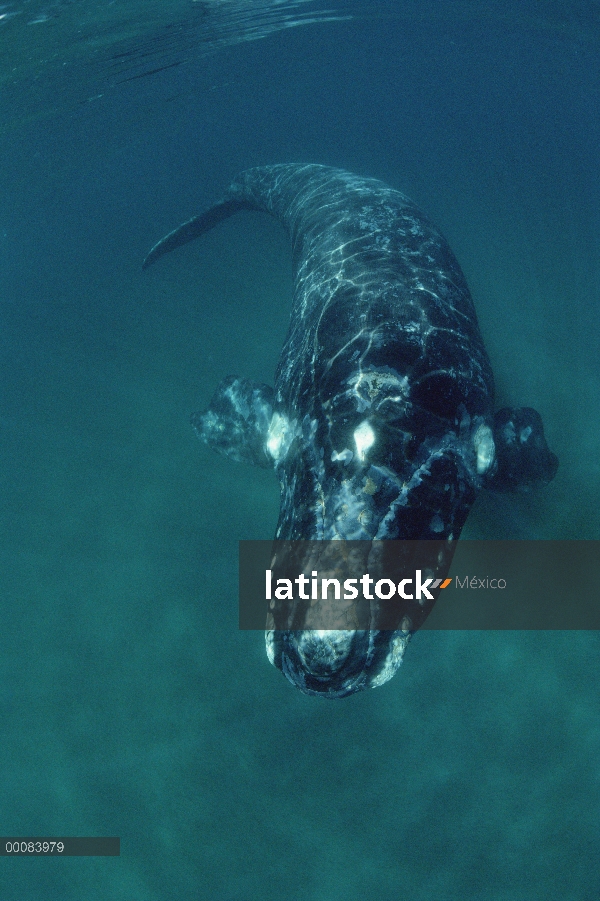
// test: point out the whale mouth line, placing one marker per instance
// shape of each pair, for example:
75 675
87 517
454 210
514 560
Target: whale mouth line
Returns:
372 502
375 657
333 685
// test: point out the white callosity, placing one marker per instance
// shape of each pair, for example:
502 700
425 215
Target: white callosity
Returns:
485 449
364 438
279 437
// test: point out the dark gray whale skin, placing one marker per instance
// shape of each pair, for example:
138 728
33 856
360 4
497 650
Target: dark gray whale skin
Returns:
381 424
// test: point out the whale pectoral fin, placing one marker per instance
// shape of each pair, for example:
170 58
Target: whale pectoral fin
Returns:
237 421
523 459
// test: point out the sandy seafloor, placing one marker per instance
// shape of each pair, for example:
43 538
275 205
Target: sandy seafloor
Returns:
130 704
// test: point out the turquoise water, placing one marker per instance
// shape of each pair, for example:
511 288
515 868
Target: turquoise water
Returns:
130 704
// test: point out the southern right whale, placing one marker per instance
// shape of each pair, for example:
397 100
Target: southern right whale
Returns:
381 423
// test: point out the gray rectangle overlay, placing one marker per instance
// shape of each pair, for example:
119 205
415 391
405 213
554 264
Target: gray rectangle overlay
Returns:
493 585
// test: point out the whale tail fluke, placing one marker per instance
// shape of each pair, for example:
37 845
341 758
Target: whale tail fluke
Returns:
195 227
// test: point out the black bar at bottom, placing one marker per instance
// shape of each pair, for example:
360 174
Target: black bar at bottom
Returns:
53 846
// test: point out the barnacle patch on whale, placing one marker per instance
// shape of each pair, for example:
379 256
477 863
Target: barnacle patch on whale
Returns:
279 437
364 438
485 449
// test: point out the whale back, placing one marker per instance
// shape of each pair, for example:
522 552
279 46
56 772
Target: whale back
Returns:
375 280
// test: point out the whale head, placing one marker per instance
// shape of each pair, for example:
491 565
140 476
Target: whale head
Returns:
367 477
384 477
371 469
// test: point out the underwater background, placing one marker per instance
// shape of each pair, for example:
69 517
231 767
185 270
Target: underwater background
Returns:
130 703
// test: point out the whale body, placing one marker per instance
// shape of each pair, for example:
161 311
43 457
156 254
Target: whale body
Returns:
380 425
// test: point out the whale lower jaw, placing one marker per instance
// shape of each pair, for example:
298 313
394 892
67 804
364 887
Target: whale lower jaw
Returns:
335 663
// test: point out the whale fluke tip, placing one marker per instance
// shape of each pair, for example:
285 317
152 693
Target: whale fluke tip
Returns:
197 226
